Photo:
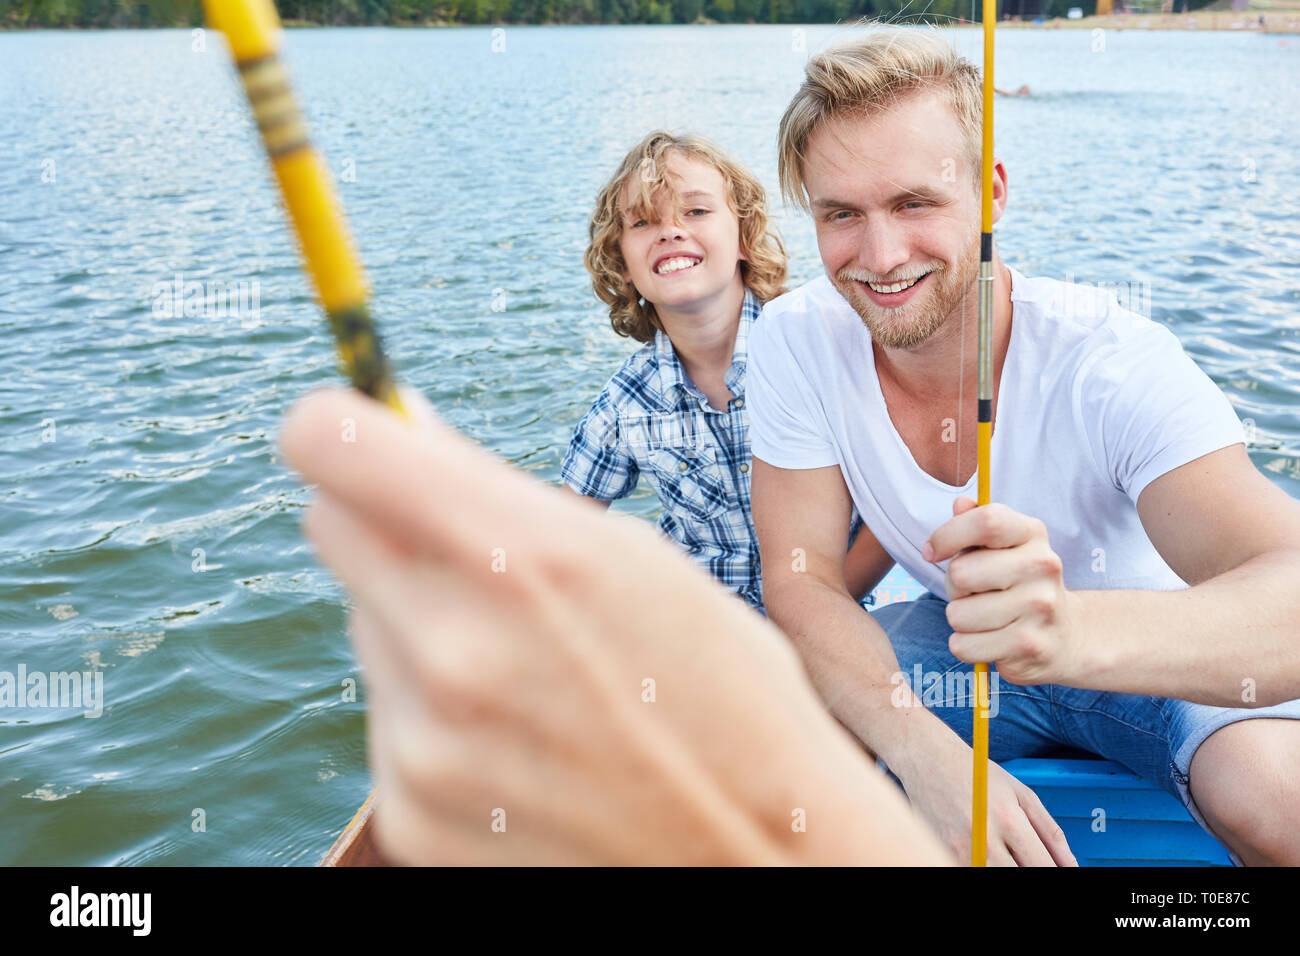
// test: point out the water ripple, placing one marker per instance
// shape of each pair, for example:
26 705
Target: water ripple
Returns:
150 532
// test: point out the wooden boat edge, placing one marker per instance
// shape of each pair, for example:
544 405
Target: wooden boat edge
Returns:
356 845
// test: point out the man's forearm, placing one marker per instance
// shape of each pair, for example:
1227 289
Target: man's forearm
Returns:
1231 641
850 661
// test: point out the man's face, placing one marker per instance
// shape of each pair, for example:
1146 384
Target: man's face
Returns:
897 217
684 254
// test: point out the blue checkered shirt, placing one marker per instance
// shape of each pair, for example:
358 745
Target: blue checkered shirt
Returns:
652 420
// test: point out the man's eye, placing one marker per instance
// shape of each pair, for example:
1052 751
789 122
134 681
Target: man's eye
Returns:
914 204
835 216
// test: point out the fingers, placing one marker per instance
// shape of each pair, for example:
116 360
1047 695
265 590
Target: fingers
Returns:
983 569
448 785
999 569
1049 832
982 647
988 611
1025 833
379 575
471 645
992 526
1023 843
421 482
389 700
998 855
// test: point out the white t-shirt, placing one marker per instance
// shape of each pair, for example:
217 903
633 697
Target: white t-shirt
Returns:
1095 402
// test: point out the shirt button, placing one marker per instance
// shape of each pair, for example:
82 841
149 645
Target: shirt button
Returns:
739 403
744 469
681 466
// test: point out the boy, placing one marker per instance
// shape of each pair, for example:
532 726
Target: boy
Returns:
682 254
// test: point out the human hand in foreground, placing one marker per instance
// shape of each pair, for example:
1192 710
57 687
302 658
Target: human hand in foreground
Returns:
1008 603
548 683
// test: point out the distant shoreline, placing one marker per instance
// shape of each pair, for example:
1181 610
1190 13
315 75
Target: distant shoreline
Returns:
1276 22
1201 21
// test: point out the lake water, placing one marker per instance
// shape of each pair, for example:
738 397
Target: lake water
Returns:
137 447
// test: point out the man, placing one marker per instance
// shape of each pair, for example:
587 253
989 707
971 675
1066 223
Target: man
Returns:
1118 469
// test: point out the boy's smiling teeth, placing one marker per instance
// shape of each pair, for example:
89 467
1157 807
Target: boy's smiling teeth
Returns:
676 265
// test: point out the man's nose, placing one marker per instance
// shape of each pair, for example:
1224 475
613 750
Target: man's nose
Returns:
884 248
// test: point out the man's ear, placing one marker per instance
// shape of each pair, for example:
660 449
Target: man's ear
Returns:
999 189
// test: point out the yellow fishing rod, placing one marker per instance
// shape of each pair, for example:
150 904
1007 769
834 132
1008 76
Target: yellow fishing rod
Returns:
980 718
252 28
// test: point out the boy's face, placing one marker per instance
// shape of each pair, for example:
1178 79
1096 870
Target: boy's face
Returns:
702 235
894 204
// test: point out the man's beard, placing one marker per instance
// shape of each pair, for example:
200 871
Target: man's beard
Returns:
912 324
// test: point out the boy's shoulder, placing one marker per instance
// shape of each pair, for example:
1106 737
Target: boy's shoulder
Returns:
636 383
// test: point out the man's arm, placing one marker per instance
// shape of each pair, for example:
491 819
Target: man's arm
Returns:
1231 639
866 565
801 517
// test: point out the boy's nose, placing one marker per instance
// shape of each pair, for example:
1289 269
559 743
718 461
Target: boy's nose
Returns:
670 229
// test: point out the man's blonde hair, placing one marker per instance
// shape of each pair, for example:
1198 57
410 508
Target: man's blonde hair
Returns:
866 75
764 268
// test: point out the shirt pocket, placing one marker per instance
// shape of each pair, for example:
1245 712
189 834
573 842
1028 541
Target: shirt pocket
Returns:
690 481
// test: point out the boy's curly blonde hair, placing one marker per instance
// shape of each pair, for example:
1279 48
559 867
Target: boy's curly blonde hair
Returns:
764 267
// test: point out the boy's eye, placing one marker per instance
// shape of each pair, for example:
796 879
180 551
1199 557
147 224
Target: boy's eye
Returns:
642 222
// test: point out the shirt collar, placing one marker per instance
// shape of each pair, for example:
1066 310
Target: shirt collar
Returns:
673 383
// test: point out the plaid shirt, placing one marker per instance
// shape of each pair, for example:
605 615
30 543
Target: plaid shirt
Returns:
652 420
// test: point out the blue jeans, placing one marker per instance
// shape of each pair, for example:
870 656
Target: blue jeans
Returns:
1155 737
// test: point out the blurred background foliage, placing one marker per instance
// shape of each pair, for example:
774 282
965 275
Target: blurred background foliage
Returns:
175 13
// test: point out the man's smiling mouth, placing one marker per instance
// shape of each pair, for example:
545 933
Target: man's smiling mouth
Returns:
895 286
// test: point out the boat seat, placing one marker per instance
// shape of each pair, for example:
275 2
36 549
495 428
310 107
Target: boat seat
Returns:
1112 817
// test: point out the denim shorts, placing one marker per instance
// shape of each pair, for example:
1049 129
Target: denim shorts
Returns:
1155 737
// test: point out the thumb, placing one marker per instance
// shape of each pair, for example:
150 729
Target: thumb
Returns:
963 504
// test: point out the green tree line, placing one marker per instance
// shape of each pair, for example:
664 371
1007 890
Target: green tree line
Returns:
177 13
